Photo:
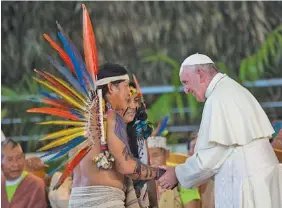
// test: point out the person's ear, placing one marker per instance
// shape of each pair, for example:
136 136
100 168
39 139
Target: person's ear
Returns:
111 88
201 74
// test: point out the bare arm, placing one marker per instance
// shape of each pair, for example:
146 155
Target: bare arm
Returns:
125 163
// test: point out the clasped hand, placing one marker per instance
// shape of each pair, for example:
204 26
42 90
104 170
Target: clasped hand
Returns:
169 179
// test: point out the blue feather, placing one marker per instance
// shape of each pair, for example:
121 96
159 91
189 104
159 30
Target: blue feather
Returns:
163 126
35 99
89 77
75 112
57 168
277 127
73 143
48 95
74 55
59 148
54 150
66 74
77 65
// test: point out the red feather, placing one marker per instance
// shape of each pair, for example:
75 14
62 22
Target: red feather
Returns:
61 52
71 165
89 44
138 88
55 112
56 103
55 83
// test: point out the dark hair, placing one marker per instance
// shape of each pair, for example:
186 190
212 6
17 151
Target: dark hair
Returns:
8 141
147 130
132 84
110 70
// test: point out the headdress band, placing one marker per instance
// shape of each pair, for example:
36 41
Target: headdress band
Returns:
108 80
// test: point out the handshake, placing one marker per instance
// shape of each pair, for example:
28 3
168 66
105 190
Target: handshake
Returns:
167 177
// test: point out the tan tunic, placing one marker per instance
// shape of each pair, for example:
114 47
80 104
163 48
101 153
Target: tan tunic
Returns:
29 194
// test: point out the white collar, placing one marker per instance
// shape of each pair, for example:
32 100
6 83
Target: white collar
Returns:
213 83
16 181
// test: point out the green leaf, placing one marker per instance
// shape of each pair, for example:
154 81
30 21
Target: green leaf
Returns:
162 106
252 72
242 71
193 107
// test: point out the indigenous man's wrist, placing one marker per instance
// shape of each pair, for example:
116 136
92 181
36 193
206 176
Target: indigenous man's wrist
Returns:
159 173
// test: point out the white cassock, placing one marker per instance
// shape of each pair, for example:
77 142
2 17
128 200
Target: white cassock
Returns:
233 146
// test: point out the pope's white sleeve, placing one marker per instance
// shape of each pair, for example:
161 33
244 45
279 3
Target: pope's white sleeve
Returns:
202 165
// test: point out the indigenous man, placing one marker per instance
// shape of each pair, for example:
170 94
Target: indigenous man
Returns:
233 142
178 197
88 188
19 188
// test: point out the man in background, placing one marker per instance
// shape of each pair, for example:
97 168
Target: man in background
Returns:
179 197
19 188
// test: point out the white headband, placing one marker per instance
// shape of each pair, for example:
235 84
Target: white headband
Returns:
157 142
108 80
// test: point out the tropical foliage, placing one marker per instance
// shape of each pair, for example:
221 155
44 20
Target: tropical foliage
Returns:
151 38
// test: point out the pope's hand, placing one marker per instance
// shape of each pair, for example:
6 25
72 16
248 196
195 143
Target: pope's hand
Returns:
168 180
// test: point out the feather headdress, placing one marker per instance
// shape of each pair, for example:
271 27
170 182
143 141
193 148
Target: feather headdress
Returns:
76 100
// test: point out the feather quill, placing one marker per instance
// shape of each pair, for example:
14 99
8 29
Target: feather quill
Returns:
72 144
64 84
89 45
163 126
60 51
55 103
63 132
67 75
71 165
61 141
48 95
66 97
74 56
59 148
139 89
52 80
70 123
54 112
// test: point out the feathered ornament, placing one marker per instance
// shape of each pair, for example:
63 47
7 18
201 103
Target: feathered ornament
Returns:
162 126
75 99
277 126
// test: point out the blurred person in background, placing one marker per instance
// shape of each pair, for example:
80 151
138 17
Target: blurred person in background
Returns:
20 189
179 197
59 198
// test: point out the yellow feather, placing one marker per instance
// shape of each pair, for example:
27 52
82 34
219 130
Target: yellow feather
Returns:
71 123
62 141
63 132
65 84
68 98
